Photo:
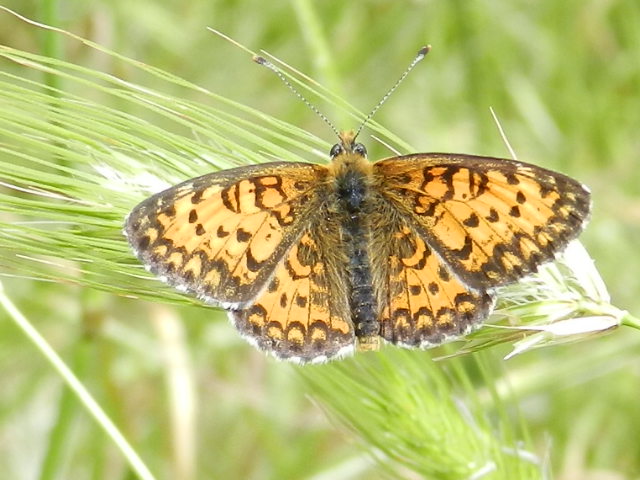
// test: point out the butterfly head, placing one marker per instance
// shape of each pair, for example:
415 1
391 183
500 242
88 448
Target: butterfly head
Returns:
348 146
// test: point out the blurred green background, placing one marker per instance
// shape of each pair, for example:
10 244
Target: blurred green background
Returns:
564 80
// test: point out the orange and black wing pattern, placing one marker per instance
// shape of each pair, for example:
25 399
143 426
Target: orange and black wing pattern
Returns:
303 315
421 299
248 240
492 221
221 236
462 226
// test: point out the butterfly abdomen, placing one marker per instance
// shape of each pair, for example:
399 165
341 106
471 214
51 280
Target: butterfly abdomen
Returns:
353 197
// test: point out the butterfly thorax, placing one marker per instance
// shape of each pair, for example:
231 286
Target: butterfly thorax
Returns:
352 173
352 177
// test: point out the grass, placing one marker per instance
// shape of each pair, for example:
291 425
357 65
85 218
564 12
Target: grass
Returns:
80 145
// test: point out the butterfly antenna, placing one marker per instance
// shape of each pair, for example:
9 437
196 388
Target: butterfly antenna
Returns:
266 63
421 54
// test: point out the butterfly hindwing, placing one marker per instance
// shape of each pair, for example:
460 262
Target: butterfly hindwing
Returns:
492 221
421 300
303 313
221 235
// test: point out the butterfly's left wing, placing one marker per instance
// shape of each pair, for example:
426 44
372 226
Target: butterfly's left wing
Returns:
260 242
303 315
221 235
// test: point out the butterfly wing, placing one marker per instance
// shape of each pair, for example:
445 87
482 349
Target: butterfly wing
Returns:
221 235
421 299
303 314
492 221
459 227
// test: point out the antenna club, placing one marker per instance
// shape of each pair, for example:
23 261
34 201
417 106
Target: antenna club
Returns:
421 54
345 137
266 63
423 51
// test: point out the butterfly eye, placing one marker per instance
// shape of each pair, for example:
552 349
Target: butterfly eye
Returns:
360 149
336 150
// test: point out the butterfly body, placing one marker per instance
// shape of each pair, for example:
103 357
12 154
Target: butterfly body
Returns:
351 200
313 260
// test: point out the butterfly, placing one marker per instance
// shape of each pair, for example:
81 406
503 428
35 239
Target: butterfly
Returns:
313 261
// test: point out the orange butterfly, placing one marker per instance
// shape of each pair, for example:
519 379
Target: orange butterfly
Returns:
311 260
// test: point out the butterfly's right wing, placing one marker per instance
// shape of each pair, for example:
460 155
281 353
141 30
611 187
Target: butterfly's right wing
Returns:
492 220
221 235
422 301
457 226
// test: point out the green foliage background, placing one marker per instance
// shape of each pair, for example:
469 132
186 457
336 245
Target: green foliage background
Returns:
189 394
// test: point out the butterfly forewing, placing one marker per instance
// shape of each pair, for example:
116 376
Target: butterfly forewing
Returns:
221 235
492 221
